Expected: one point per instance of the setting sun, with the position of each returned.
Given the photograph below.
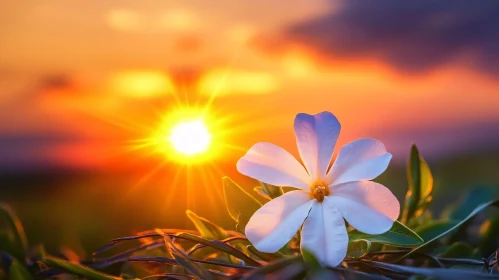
(188, 135)
(191, 137)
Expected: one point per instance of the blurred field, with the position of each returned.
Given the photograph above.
(83, 210)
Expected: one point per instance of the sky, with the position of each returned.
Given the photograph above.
(90, 91)
(84, 84)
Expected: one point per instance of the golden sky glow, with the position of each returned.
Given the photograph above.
(235, 81)
(114, 72)
(140, 84)
(120, 88)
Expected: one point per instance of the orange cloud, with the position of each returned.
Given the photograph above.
(235, 81)
(140, 84)
(127, 20)
(173, 20)
(179, 20)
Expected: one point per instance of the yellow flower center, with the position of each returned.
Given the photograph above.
(319, 190)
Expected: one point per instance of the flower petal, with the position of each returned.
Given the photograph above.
(325, 234)
(271, 164)
(363, 159)
(368, 206)
(316, 137)
(276, 222)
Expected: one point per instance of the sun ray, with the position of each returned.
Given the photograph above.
(150, 174)
(232, 61)
(125, 123)
(196, 173)
(206, 182)
(171, 194)
(188, 171)
(219, 179)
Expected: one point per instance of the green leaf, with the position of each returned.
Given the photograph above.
(183, 260)
(16, 241)
(417, 221)
(458, 250)
(420, 186)
(437, 273)
(271, 190)
(398, 235)
(358, 248)
(18, 272)
(470, 201)
(310, 259)
(206, 228)
(240, 204)
(355, 274)
(477, 268)
(263, 272)
(489, 241)
(418, 277)
(324, 274)
(268, 191)
(434, 228)
(265, 256)
(38, 252)
(261, 191)
(470, 216)
(77, 269)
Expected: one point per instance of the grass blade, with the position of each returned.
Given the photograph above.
(398, 235)
(77, 269)
(206, 228)
(470, 216)
(221, 247)
(184, 261)
(19, 244)
(18, 272)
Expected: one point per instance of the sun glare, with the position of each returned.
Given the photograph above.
(190, 137)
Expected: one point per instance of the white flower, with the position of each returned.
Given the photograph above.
(324, 198)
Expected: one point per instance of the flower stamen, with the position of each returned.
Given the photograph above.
(319, 191)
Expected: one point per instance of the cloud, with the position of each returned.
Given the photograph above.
(141, 84)
(29, 150)
(179, 20)
(176, 20)
(444, 141)
(410, 35)
(126, 20)
(236, 81)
